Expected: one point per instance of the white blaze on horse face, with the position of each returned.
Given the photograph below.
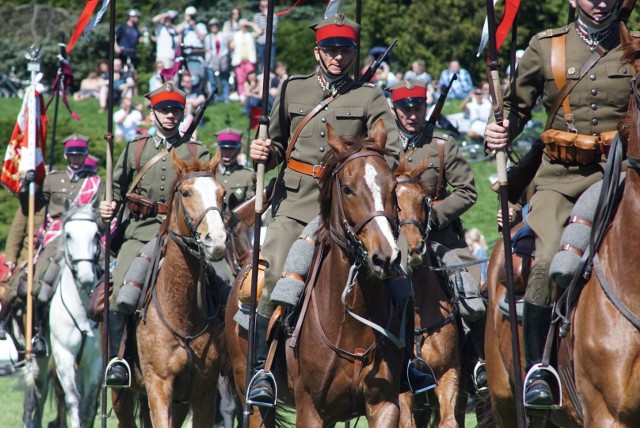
(370, 175)
(214, 237)
(81, 248)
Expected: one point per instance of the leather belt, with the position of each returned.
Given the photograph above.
(162, 208)
(315, 171)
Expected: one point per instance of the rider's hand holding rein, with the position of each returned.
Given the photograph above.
(496, 137)
(107, 209)
(260, 150)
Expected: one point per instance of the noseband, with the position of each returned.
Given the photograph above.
(72, 262)
(349, 240)
(192, 242)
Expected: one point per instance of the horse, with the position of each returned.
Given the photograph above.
(178, 337)
(437, 338)
(340, 367)
(75, 340)
(605, 365)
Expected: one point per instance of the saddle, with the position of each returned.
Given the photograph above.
(523, 247)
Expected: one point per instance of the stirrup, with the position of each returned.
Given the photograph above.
(556, 388)
(272, 379)
(423, 367)
(483, 388)
(40, 342)
(114, 361)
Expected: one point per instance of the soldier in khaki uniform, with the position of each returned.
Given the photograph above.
(295, 200)
(167, 110)
(447, 168)
(237, 179)
(597, 103)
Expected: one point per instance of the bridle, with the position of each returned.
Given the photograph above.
(192, 242)
(424, 230)
(634, 161)
(72, 262)
(348, 237)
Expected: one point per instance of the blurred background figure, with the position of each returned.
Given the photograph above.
(478, 246)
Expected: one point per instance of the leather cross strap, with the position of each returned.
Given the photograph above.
(296, 132)
(146, 167)
(599, 52)
(441, 190)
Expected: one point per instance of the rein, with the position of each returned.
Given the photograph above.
(190, 244)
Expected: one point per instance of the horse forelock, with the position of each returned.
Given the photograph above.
(405, 170)
(80, 212)
(189, 167)
(332, 161)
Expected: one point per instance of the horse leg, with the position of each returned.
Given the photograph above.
(407, 419)
(447, 393)
(123, 402)
(65, 367)
(159, 393)
(306, 413)
(204, 408)
(383, 414)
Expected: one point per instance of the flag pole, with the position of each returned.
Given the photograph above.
(59, 86)
(108, 197)
(32, 131)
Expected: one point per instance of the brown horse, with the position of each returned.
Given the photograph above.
(341, 367)
(439, 340)
(179, 357)
(604, 340)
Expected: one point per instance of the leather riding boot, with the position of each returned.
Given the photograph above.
(476, 335)
(540, 386)
(117, 375)
(262, 387)
(417, 376)
(38, 342)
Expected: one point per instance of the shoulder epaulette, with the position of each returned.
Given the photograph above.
(635, 34)
(441, 135)
(553, 32)
(192, 141)
(140, 137)
(301, 76)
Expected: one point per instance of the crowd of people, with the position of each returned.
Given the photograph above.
(399, 100)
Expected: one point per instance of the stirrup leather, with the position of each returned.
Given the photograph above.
(116, 360)
(272, 379)
(557, 387)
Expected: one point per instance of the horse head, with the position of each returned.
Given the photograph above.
(357, 199)
(81, 244)
(413, 207)
(196, 204)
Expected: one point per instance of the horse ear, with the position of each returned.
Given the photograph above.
(178, 164)
(334, 141)
(215, 161)
(379, 133)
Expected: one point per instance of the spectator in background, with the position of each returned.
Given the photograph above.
(461, 87)
(252, 92)
(127, 38)
(276, 80)
(123, 83)
(418, 72)
(243, 58)
(155, 81)
(127, 121)
(89, 87)
(232, 25)
(192, 33)
(478, 246)
(477, 108)
(216, 45)
(194, 99)
(260, 21)
(166, 38)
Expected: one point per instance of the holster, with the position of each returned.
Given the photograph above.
(244, 291)
(141, 207)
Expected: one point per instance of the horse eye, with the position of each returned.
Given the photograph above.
(184, 193)
(347, 190)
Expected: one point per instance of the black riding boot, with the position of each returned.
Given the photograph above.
(5, 315)
(117, 375)
(476, 335)
(541, 384)
(261, 392)
(417, 375)
(39, 343)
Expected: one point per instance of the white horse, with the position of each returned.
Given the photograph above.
(75, 341)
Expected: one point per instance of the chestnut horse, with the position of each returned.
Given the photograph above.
(438, 336)
(179, 357)
(604, 340)
(348, 359)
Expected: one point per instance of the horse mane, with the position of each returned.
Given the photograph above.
(331, 161)
(404, 169)
(189, 167)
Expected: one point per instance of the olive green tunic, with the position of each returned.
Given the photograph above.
(238, 180)
(598, 102)
(295, 202)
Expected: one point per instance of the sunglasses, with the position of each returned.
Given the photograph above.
(334, 51)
